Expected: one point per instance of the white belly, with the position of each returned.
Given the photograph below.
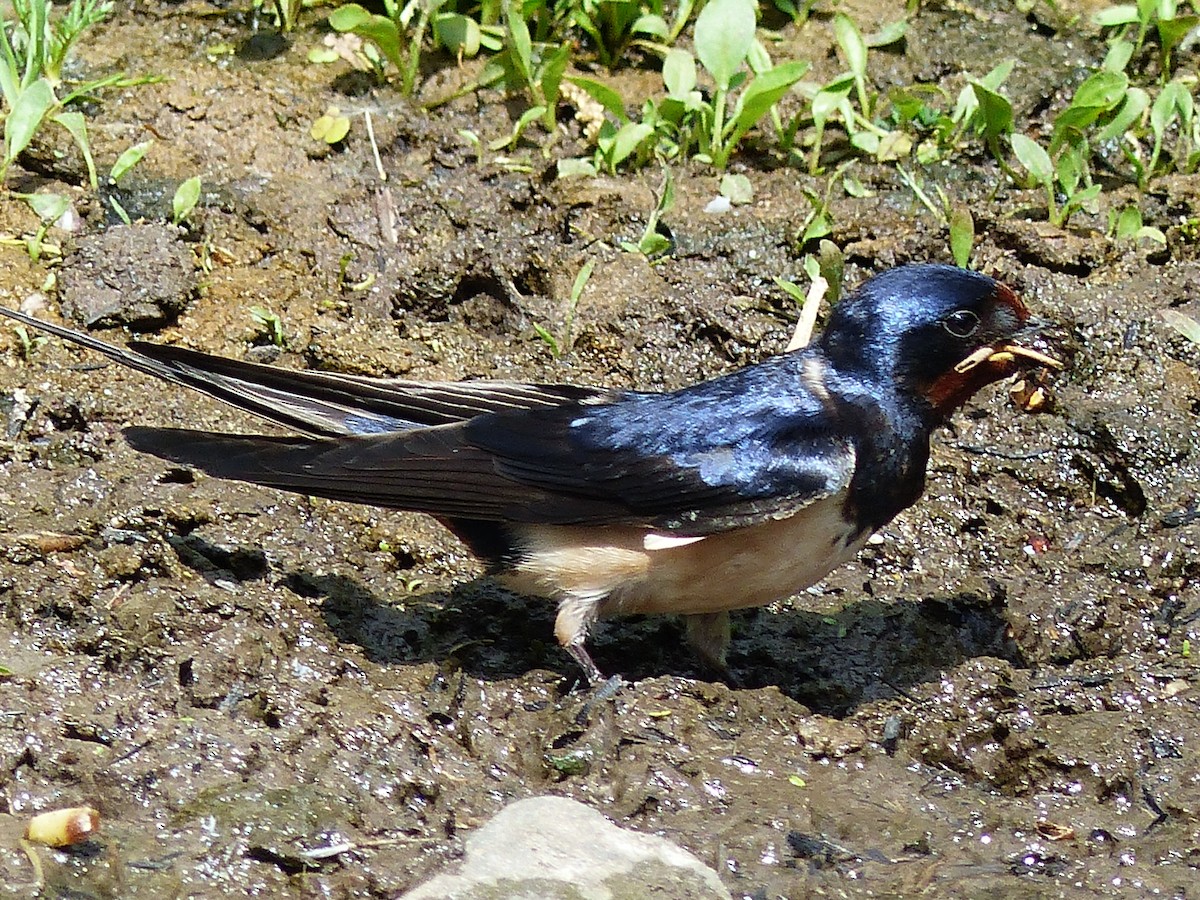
(613, 568)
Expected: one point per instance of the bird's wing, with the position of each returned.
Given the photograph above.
(689, 463)
(321, 403)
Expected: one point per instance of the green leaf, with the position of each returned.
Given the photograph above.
(604, 95)
(575, 167)
(127, 160)
(764, 92)
(1136, 101)
(723, 34)
(520, 41)
(48, 207)
(998, 75)
(581, 280)
(831, 97)
(1129, 223)
(653, 25)
(962, 236)
(332, 127)
(1118, 56)
(378, 29)
(1172, 31)
(348, 17)
(457, 33)
(850, 40)
(185, 199)
(26, 117)
(887, 34)
(1033, 157)
(1102, 90)
(679, 73)
(627, 139)
(548, 339)
(1183, 323)
(1169, 102)
(994, 115)
(1125, 14)
(76, 126)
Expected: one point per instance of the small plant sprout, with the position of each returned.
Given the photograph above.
(269, 324)
(737, 189)
(187, 195)
(407, 23)
(287, 13)
(724, 38)
(653, 243)
(33, 50)
(1139, 17)
(331, 127)
(1126, 225)
(536, 67)
(1043, 173)
(862, 127)
(27, 345)
(50, 208)
(129, 158)
(557, 347)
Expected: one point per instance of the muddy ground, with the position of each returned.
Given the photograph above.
(996, 700)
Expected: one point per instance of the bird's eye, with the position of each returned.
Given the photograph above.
(962, 323)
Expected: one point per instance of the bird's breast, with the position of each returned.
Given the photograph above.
(627, 570)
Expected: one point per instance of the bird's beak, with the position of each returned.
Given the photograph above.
(1004, 355)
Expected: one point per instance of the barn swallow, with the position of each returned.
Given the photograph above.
(727, 494)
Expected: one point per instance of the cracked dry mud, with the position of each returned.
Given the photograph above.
(993, 701)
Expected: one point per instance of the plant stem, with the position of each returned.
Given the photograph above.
(715, 142)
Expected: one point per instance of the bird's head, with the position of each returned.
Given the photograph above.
(938, 333)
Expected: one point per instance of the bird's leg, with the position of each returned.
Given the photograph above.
(590, 670)
(576, 613)
(708, 636)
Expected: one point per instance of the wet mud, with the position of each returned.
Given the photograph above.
(998, 698)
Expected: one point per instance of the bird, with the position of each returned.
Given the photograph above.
(726, 494)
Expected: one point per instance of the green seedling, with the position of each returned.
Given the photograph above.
(557, 348)
(1175, 105)
(26, 347)
(612, 24)
(45, 42)
(863, 126)
(737, 189)
(464, 36)
(653, 244)
(1067, 175)
(398, 35)
(269, 324)
(49, 208)
(1126, 225)
(187, 195)
(129, 158)
(331, 127)
(535, 67)
(724, 37)
(615, 143)
(526, 119)
(819, 221)
(1163, 15)
(287, 13)
(33, 49)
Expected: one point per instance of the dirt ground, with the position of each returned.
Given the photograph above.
(997, 700)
